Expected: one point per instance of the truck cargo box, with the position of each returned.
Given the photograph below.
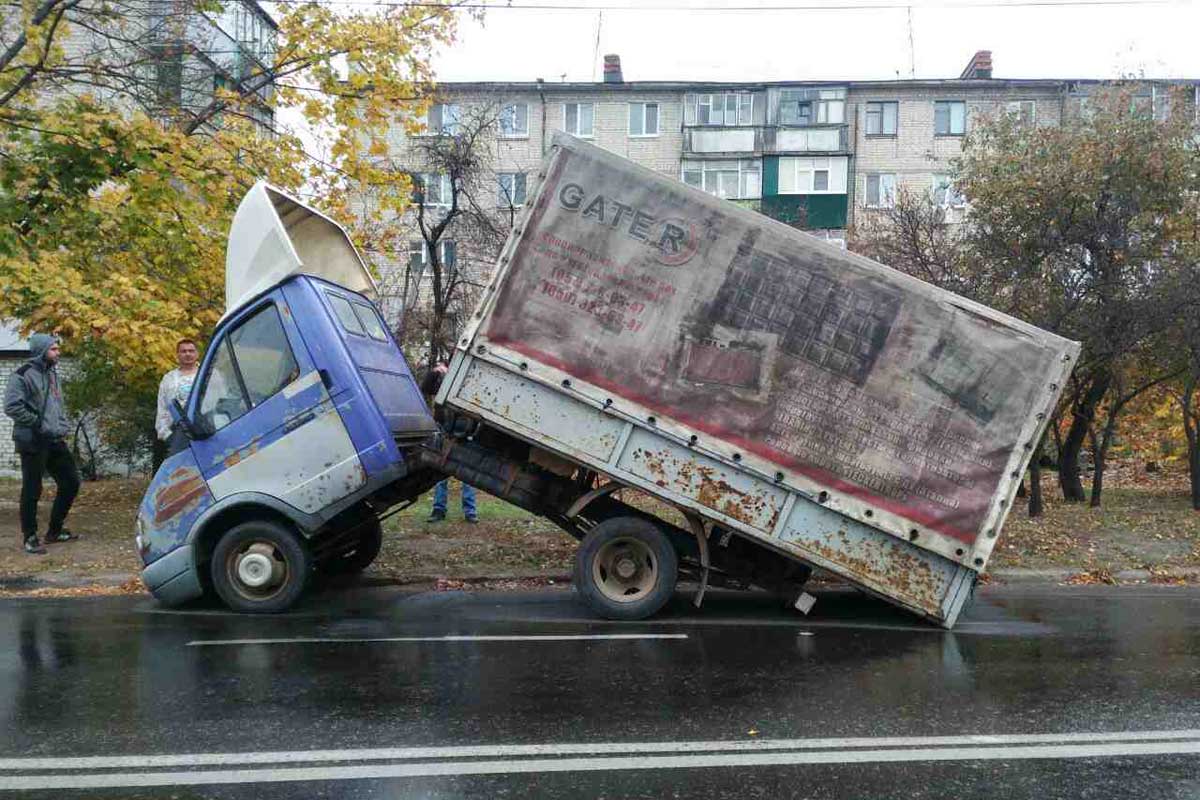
(811, 399)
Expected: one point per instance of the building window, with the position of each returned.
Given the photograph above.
(949, 118)
(579, 119)
(945, 193)
(418, 255)
(882, 118)
(643, 119)
(514, 120)
(812, 175)
(732, 179)
(881, 190)
(812, 107)
(433, 189)
(442, 118)
(1022, 110)
(512, 189)
(731, 108)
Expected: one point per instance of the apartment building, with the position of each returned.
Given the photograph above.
(814, 155)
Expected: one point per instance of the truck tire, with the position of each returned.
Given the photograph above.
(370, 542)
(260, 567)
(626, 568)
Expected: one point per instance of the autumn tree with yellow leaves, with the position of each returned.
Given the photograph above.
(116, 198)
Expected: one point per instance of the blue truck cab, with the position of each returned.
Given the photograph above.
(300, 430)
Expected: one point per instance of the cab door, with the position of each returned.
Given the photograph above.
(270, 423)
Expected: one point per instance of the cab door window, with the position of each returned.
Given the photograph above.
(253, 363)
(263, 356)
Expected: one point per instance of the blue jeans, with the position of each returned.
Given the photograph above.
(441, 494)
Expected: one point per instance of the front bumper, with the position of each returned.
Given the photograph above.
(174, 578)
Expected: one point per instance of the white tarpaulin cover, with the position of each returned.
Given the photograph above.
(274, 236)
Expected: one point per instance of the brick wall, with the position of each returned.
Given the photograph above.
(10, 464)
(914, 155)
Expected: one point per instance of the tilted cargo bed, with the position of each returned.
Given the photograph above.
(807, 398)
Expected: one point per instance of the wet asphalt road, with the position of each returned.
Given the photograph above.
(736, 701)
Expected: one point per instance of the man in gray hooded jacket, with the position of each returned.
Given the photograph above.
(34, 401)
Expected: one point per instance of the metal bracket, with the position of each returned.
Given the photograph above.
(697, 526)
(582, 503)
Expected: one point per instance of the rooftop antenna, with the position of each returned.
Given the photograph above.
(596, 51)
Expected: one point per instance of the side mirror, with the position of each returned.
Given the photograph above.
(181, 418)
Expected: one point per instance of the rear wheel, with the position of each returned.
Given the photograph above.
(260, 567)
(626, 568)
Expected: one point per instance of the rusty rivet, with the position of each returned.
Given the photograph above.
(693, 439)
(1003, 503)
(524, 366)
(737, 456)
(1041, 416)
(979, 562)
(869, 513)
(913, 534)
(652, 420)
(481, 349)
(607, 402)
(1029, 445)
(958, 552)
(566, 384)
(1014, 474)
(822, 497)
(1054, 387)
(1066, 356)
(778, 477)
(991, 533)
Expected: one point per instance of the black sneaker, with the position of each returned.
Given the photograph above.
(436, 516)
(62, 536)
(34, 547)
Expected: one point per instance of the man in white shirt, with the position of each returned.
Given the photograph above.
(175, 385)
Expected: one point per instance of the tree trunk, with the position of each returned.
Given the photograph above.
(1022, 491)
(1036, 506)
(1194, 470)
(1081, 420)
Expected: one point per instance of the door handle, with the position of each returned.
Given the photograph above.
(296, 422)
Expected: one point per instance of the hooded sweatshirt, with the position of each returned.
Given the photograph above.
(35, 386)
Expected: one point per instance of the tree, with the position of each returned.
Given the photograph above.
(462, 215)
(115, 200)
(1081, 224)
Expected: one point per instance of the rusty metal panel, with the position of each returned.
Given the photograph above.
(683, 473)
(912, 409)
(544, 417)
(923, 581)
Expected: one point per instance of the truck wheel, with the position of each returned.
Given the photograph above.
(626, 568)
(260, 567)
(370, 542)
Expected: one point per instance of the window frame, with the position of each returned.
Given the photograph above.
(445, 188)
(359, 308)
(333, 297)
(879, 176)
(643, 105)
(950, 117)
(591, 134)
(444, 129)
(949, 191)
(507, 202)
(500, 133)
(226, 345)
(882, 133)
(743, 172)
(1018, 111)
(743, 102)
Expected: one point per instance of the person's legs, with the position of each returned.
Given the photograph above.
(61, 466)
(441, 494)
(33, 464)
(468, 503)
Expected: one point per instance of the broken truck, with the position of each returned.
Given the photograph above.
(687, 387)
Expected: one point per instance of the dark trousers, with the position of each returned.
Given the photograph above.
(55, 458)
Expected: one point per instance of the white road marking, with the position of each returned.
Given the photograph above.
(106, 780)
(541, 638)
(582, 748)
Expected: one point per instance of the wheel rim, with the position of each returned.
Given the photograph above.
(625, 570)
(258, 570)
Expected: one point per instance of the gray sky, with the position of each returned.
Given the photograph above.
(1158, 39)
